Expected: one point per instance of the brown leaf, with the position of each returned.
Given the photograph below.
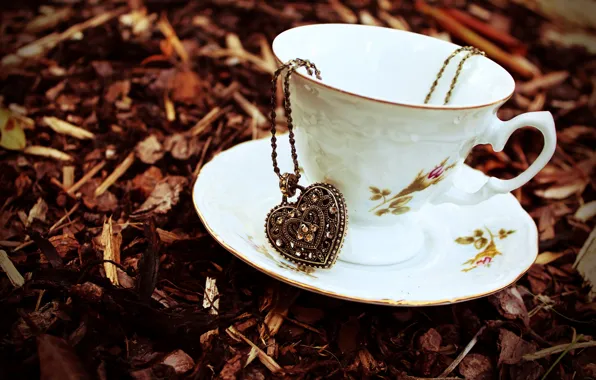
(58, 361)
(164, 196)
(180, 360)
(182, 147)
(146, 181)
(105, 202)
(464, 240)
(38, 211)
(117, 90)
(22, 184)
(526, 371)
(186, 86)
(430, 340)
(88, 291)
(149, 150)
(232, 367)
(307, 315)
(64, 244)
(513, 348)
(476, 367)
(42, 320)
(510, 304)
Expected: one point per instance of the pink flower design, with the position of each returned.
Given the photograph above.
(436, 172)
(484, 261)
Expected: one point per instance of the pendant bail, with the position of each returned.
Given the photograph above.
(288, 184)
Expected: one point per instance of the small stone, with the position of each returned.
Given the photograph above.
(310, 255)
(291, 214)
(279, 220)
(297, 253)
(328, 235)
(309, 238)
(314, 198)
(276, 231)
(303, 207)
(314, 228)
(300, 236)
(332, 209)
(291, 244)
(304, 228)
(279, 243)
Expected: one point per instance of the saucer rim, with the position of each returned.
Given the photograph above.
(314, 289)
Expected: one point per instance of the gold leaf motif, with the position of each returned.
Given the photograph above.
(400, 201)
(464, 240)
(386, 192)
(376, 197)
(400, 210)
(381, 211)
(480, 243)
(478, 233)
(374, 190)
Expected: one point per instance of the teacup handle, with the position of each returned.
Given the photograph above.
(497, 135)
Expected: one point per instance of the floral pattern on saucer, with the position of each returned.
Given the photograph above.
(486, 256)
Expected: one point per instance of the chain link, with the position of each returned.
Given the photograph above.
(471, 51)
(291, 66)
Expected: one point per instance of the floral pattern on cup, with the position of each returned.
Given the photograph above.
(263, 249)
(397, 204)
(484, 243)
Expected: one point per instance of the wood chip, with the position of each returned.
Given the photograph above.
(111, 250)
(541, 83)
(263, 357)
(586, 211)
(43, 151)
(68, 174)
(367, 19)
(63, 127)
(586, 262)
(90, 174)
(210, 298)
(250, 109)
(38, 211)
(395, 22)
(11, 271)
(48, 20)
(548, 257)
(344, 12)
(166, 28)
(117, 173)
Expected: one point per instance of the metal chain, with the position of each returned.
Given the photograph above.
(291, 66)
(472, 51)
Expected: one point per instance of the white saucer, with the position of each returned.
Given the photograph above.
(235, 191)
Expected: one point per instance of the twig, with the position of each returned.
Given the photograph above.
(392, 21)
(343, 12)
(556, 349)
(250, 109)
(263, 357)
(117, 173)
(86, 178)
(69, 213)
(210, 117)
(63, 127)
(463, 354)
(166, 28)
(43, 151)
(567, 348)
(518, 64)
(68, 176)
(485, 29)
(203, 155)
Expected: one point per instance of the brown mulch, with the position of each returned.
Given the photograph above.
(163, 86)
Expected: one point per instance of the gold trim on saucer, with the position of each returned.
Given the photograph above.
(382, 301)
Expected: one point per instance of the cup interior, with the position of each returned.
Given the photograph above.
(393, 66)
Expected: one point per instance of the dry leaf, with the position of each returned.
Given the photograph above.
(8, 267)
(563, 191)
(38, 211)
(348, 333)
(58, 360)
(186, 86)
(510, 304)
(164, 196)
(43, 151)
(12, 135)
(586, 211)
(111, 250)
(586, 262)
(180, 361)
(476, 367)
(211, 296)
(105, 202)
(146, 181)
(513, 348)
(149, 150)
(548, 257)
(48, 20)
(430, 340)
(64, 244)
(232, 367)
(182, 147)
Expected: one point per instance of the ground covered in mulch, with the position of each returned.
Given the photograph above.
(134, 97)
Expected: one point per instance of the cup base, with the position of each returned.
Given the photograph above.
(382, 245)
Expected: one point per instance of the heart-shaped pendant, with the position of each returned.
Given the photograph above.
(310, 231)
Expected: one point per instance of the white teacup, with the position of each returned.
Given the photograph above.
(365, 128)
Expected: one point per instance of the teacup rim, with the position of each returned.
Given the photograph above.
(383, 101)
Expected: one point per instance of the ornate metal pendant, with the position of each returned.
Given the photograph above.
(310, 231)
